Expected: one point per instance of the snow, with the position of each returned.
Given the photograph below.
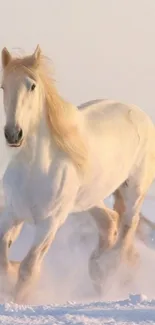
(137, 309)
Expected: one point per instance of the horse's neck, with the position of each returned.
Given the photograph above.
(44, 144)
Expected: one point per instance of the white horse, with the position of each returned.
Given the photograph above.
(67, 160)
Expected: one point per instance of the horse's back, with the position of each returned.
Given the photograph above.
(90, 103)
(102, 115)
(118, 132)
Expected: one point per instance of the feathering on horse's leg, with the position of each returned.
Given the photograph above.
(107, 221)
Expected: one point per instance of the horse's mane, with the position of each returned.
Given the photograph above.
(62, 117)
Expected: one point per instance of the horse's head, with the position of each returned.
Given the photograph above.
(29, 91)
(22, 95)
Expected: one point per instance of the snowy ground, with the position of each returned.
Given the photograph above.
(134, 310)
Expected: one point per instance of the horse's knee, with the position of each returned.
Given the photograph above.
(108, 237)
(107, 222)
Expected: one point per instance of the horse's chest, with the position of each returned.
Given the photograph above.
(37, 195)
(30, 195)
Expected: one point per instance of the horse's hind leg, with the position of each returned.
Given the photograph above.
(120, 207)
(133, 193)
(107, 222)
(145, 228)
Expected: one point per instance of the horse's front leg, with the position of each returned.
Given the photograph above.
(9, 231)
(7, 222)
(8, 270)
(30, 267)
(65, 184)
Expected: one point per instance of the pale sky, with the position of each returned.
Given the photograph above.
(99, 48)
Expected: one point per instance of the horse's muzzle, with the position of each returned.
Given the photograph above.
(13, 136)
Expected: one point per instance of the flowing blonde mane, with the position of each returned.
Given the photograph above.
(62, 117)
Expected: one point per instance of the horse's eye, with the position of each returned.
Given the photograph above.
(33, 86)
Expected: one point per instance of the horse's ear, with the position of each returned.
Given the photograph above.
(37, 53)
(5, 57)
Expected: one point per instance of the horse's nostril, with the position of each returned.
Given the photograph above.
(20, 134)
(6, 134)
